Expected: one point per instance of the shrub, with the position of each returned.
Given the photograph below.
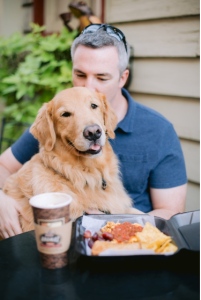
(33, 68)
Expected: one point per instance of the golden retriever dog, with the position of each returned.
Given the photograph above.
(75, 157)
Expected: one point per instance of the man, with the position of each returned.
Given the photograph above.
(149, 151)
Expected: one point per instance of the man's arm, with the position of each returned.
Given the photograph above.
(168, 202)
(9, 163)
(9, 208)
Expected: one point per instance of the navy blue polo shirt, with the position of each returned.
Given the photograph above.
(147, 147)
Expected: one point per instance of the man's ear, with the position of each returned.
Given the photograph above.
(110, 117)
(43, 127)
(124, 78)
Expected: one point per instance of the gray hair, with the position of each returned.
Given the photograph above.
(102, 39)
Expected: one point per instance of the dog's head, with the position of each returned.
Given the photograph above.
(79, 119)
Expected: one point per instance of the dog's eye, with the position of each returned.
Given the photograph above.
(94, 106)
(66, 114)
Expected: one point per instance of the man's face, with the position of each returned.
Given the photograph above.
(98, 70)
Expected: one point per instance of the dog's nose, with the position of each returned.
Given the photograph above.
(92, 132)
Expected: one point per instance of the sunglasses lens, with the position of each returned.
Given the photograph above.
(91, 28)
(113, 33)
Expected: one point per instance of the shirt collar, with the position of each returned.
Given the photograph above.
(127, 123)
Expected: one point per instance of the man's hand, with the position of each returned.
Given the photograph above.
(9, 208)
(9, 212)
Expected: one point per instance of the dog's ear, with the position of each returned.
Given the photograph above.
(43, 127)
(110, 117)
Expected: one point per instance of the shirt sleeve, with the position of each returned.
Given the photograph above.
(170, 170)
(25, 147)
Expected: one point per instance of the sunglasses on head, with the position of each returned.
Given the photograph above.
(111, 30)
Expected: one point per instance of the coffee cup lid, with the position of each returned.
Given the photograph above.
(50, 200)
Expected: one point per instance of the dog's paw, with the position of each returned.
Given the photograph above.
(134, 211)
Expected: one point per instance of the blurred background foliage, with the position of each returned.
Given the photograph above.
(33, 68)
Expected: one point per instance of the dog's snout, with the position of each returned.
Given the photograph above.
(92, 132)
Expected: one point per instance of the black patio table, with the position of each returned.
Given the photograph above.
(22, 277)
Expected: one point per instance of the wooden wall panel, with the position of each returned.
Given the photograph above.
(96, 6)
(1, 18)
(163, 38)
(53, 8)
(52, 11)
(176, 77)
(11, 17)
(198, 46)
(183, 113)
(191, 152)
(193, 197)
(135, 10)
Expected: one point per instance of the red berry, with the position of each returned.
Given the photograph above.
(87, 234)
(108, 236)
(95, 236)
(90, 243)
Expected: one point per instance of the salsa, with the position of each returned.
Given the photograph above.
(123, 232)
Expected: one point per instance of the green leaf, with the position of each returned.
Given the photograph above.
(46, 57)
(36, 28)
(10, 108)
(49, 45)
(14, 79)
(22, 89)
(30, 91)
(9, 89)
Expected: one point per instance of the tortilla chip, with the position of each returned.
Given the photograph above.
(169, 248)
(163, 246)
(152, 238)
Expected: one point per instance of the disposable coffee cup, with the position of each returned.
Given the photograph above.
(53, 228)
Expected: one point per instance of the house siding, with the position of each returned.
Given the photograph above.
(11, 17)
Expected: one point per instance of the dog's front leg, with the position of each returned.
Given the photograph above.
(134, 211)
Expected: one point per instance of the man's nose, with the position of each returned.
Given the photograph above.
(89, 83)
(92, 132)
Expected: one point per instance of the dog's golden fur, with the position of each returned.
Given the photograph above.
(60, 167)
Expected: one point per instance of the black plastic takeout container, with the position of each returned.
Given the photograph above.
(183, 228)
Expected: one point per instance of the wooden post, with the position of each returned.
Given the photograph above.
(38, 12)
(102, 11)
